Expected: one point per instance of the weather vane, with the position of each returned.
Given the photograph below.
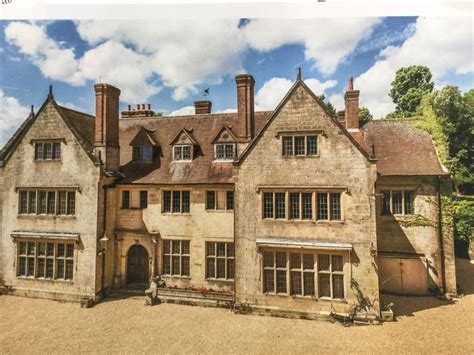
(205, 93)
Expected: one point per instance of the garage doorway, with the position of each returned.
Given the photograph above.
(403, 276)
(137, 265)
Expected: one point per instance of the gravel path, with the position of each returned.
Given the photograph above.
(424, 325)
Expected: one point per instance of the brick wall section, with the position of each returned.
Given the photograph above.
(339, 164)
(352, 109)
(245, 104)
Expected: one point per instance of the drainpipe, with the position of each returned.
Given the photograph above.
(235, 257)
(440, 236)
(103, 250)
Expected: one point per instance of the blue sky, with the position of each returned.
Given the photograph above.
(169, 64)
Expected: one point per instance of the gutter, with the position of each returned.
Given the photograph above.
(440, 236)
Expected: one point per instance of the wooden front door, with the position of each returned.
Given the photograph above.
(137, 265)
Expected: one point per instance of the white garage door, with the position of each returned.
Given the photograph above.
(404, 276)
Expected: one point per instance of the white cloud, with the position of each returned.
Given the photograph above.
(443, 44)
(337, 100)
(12, 115)
(54, 61)
(273, 91)
(327, 41)
(183, 111)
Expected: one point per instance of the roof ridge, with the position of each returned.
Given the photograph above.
(76, 111)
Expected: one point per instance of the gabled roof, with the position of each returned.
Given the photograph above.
(144, 138)
(187, 133)
(299, 82)
(401, 149)
(226, 129)
(81, 125)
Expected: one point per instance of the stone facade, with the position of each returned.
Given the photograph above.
(102, 157)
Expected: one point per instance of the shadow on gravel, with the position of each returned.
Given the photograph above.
(409, 305)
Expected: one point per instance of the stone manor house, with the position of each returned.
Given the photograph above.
(289, 211)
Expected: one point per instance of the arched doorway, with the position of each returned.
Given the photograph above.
(137, 264)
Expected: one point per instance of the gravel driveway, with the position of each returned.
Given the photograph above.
(424, 325)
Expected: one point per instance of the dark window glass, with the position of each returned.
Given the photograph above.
(48, 150)
(308, 280)
(295, 260)
(294, 205)
(229, 151)
(323, 206)
(323, 262)
(41, 267)
(56, 150)
(49, 268)
(267, 205)
(299, 145)
(147, 153)
(296, 286)
(335, 206)
(51, 202)
(125, 199)
(143, 199)
(42, 202)
(166, 201)
(230, 200)
(71, 203)
(269, 281)
(280, 210)
(210, 200)
(396, 202)
(69, 269)
(210, 268)
(38, 151)
(62, 202)
(32, 202)
(177, 153)
(408, 202)
(280, 258)
(230, 268)
(187, 152)
(281, 281)
(287, 146)
(308, 261)
(219, 151)
(185, 201)
(307, 205)
(337, 263)
(311, 145)
(324, 285)
(385, 203)
(23, 202)
(337, 286)
(185, 265)
(176, 201)
(268, 258)
(221, 268)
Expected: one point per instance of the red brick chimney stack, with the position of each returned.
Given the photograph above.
(202, 107)
(351, 99)
(245, 103)
(106, 145)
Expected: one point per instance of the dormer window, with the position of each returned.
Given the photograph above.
(182, 152)
(225, 151)
(143, 153)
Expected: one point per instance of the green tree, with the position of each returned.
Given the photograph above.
(456, 115)
(364, 115)
(410, 85)
(327, 105)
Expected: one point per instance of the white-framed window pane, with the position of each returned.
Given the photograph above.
(48, 150)
(287, 143)
(176, 201)
(229, 151)
(335, 206)
(323, 206)
(220, 151)
(280, 208)
(311, 145)
(57, 151)
(39, 151)
(396, 202)
(324, 285)
(294, 205)
(187, 152)
(299, 145)
(267, 205)
(307, 202)
(177, 153)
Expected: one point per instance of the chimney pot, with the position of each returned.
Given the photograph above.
(350, 86)
(149, 107)
(138, 107)
(129, 107)
(202, 107)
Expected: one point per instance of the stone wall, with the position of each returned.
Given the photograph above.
(338, 164)
(75, 168)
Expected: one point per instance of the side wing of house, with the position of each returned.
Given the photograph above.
(305, 222)
(49, 206)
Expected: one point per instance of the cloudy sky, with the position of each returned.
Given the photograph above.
(169, 63)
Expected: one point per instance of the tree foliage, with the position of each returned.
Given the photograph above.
(364, 115)
(410, 85)
(327, 105)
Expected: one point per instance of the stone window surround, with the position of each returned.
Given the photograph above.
(180, 255)
(217, 206)
(313, 190)
(57, 190)
(170, 212)
(215, 257)
(133, 204)
(304, 133)
(54, 142)
(317, 272)
(390, 190)
(36, 256)
(225, 159)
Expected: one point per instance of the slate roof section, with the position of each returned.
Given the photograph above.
(401, 149)
(201, 170)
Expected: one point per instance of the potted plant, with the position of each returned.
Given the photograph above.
(386, 313)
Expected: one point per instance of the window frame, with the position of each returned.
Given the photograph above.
(387, 206)
(51, 207)
(181, 256)
(229, 258)
(69, 261)
(55, 149)
(180, 148)
(127, 205)
(143, 199)
(224, 146)
(184, 206)
(286, 138)
(138, 153)
(289, 269)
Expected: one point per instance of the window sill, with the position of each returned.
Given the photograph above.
(187, 214)
(45, 216)
(48, 160)
(223, 160)
(219, 280)
(182, 161)
(302, 221)
(176, 277)
(219, 211)
(314, 298)
(44, 279)
(133, 208)
(299, 156)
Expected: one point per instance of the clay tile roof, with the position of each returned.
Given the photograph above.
(83, 124)
(402, 149)
(163, 129)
